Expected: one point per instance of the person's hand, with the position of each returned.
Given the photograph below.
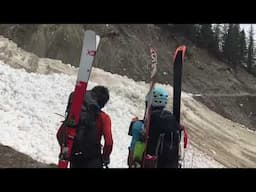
(135, 119)
(182, 127)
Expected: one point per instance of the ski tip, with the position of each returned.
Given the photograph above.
(181, 48)
(97, 41)
(152, 50)
(90, 31)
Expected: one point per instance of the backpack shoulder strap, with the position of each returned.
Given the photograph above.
(69, 104)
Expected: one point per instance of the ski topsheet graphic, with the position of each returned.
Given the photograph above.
(90, 43)
(148, 161)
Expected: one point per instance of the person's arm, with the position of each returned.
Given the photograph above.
(107, 134)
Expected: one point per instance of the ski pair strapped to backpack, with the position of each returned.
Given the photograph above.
(178, 59)
(69, 125)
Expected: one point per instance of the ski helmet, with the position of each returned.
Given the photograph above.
(160, 97)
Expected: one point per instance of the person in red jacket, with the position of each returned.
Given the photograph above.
(94, 124)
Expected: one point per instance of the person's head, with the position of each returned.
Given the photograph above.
(101, 94)
(159, 97)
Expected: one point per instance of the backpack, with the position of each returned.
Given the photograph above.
(85, 141)
(164, 138)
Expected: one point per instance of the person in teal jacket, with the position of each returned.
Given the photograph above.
(137, 133)
(137, 145)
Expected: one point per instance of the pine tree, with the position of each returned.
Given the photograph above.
(227, 42)
(235, 46)
(250, 57)
(206, 39)
(243, 47)
(189, 30)
(231, 46)
(216, 38)
(193, 32)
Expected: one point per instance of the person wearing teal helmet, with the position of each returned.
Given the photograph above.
(137, 146)
(164, 134)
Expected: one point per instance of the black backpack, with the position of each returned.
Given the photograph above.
(85, 142)
(165, 138)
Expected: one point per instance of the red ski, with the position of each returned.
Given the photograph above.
(69, 125)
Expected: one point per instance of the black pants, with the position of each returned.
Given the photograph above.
(78, 161)
(173, 163)
(168, 161)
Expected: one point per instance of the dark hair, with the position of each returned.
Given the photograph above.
(101, 94)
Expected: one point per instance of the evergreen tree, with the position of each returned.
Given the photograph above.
(231, 45)
(206, 39)
(216, 38)
(227, 43)
(235, 46)
(223, 38)
(250, 57)
(243, 47)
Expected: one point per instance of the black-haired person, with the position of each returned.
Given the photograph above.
(94, 123)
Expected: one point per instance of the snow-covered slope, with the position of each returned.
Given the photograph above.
(29, 101)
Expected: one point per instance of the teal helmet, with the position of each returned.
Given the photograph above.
(160, 97)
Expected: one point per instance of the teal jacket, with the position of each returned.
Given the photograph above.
(137, 133)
